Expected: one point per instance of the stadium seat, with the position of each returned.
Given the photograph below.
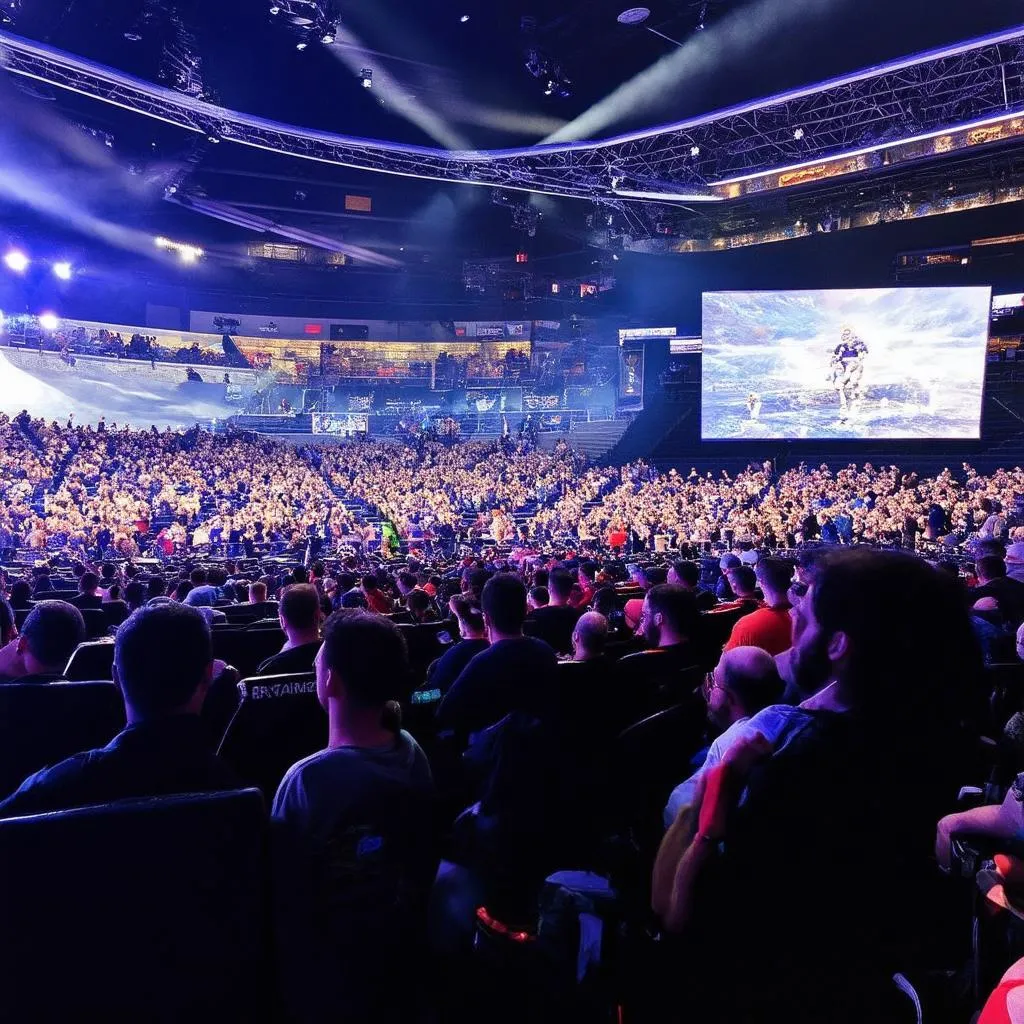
(279, 721)
(95, 622)
(115, 612)
(174, 927)
(91, 660)
(650, 681)
(246, 648)
(41, 724)
(424, 647)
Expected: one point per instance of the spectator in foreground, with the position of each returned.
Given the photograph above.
(768, 627)
(669, 621)
(473, 633)
(514, 673)
(8, 623)
(357, 858)
(905, 662)
(995, 583)
(299, 613)
(48, 638)
(163, 664)
(744, 681)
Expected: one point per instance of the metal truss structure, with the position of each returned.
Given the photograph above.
(967, 87)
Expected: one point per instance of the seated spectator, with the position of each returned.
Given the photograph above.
(473, 633)
(687, 575)
(163, 664)
(376, 600)
(744, 681)
(743, 584)
(8, 623)
(554, 622)
(1002, 823)
(586, 575)
(895, 637)
(994, 582)
(589, 637)
(134, 595)
(21, 595)
(299, 614)
(514, 673)
(606, 603)
(357, 856)
(669, 622)
(48, 638)
(1015, 561)
(723, 588)
(87, 596)
(108, 578)
(203, 599)
(420, 607)
(769, 627)
(156, 586)
(645, 578)
(257, 594)
(538, 597)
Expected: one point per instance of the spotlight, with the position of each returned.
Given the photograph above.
(798, 134)
(62, 270)
(300, 46)
(464, 19)
(275, 9)
(328, 36)
(549, 88)
(16, 261)
(695, 151)
(366, 77)
(48, 321)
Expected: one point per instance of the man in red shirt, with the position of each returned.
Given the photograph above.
(769, 627)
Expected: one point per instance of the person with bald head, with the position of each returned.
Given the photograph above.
(589, 637)
(744, 681)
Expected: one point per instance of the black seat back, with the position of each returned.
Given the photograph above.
(43, 723)
(91, 660)
(141, 910)
(95, 622)
(651, 681)
(279, 721)
(424, 647)
(247, 648)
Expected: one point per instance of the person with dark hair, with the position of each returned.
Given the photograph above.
(8, 623)
(376, 600)
(742, 581)
(1007, 592)
(645, 577)
(769, 627)
(21, 595)
(163, 664)
(687, 575)
(554, 622)
(473, 639)
(670, 620)
(895, 638)
(744, 681)
(723, 588)
(514, 673)
(48, 638)
(586, 575)
(134, 595)
(356, 854)
(300, 615)
(420, 607)
(87, 596)
(156, 586)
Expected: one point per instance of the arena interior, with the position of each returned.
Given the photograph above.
(512, 512)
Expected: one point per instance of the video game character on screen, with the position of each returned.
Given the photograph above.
(754, 405)
(846, 371)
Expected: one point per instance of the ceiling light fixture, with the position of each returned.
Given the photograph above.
(62, 270)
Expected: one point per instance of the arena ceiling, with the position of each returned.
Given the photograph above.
(472, 75)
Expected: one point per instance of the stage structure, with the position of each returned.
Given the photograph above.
(961, 97)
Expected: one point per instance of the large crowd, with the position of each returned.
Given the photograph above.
(65, 486)
(708, 735)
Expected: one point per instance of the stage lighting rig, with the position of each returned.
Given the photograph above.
(186, 253)
(366, 77)
(62, 270)
(312, 21)
(16, 260)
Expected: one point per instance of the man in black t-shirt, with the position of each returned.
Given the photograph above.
(554, 622)
(299, 614)
(515, 673)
